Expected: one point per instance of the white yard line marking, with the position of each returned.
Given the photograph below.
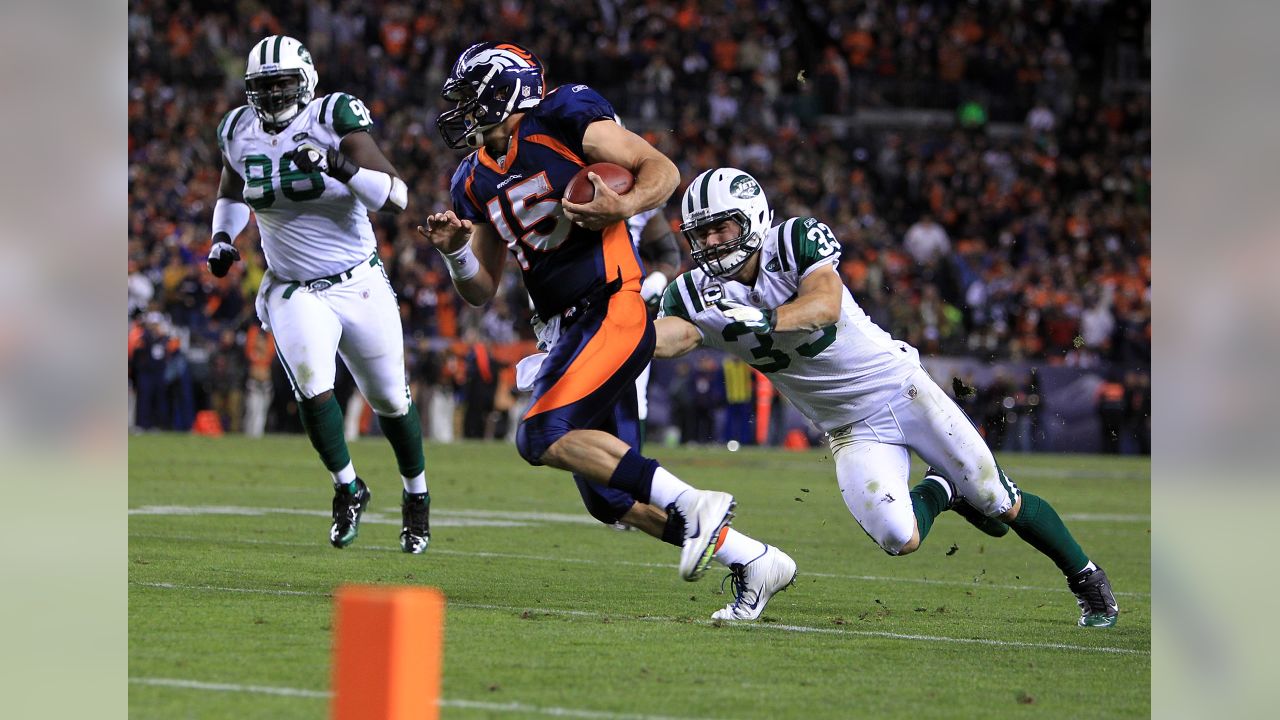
(493, 518)
(712, 623)
(511, 707)
(628, 563)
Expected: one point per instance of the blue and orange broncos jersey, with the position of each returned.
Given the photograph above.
(562, 262)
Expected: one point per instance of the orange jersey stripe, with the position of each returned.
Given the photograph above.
(554, 144)
(620, 256)
(607, 351)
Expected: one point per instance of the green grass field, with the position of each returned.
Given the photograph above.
(551, 614)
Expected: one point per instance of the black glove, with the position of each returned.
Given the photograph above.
(221, 255)
(330, 161)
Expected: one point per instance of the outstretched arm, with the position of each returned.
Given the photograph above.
(675, 337)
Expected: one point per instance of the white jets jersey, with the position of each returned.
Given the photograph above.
(312, 226)
(836, 375)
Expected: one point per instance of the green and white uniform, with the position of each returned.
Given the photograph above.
(325, 290)
(865, 389)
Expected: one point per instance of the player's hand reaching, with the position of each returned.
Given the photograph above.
(446, 231)
(606, 208)
(221, 256)
(758, 320)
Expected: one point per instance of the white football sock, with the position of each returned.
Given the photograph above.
(666, 488)
(415, 485)
(345, 476)
(738, 548)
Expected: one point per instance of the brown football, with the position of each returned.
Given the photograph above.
(580, 190)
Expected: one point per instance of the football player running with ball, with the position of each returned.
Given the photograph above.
(584, 277)
(770, 294)
(311, 172)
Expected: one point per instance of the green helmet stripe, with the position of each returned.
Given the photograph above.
(262, 51)
(706, 187)
(689, 205)
(275, 52)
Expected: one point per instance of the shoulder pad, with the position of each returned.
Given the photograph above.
(230, 125)
(344, 113)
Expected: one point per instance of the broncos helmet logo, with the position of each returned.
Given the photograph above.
(488, 83)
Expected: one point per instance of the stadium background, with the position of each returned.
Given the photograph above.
(1022, 128)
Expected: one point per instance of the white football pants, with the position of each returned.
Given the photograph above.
(357, 318)
(873, 465)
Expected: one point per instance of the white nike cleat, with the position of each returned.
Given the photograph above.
(705, 513)
(756, 582)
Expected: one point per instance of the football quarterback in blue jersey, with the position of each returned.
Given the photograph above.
(584, 277)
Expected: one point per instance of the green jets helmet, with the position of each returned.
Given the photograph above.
(725, 194)
(279, 80)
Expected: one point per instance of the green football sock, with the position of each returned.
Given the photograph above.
(1039, 524)
(405, 435)
(928, 500)
(323, 422)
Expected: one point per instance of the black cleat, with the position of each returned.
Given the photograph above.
(349, 503)
(415, 518)
(971, 514)
(1098, 606)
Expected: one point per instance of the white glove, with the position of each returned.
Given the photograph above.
(652, 287)
(758, 320)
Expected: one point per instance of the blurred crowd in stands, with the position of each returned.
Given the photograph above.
(1017, 227)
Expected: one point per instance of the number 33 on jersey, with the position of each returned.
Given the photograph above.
(831, 374)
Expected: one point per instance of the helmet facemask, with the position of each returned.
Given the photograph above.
(277, 97)
(724, 259)
(279, 80)
(714, 197)
(488, 83)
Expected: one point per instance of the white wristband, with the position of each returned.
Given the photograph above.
(230, 216)
(463, 264)
(372, 187)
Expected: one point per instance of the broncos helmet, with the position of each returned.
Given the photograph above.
(725, 194)
(489, 81)
(279, 80)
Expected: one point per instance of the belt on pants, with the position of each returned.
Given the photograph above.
(592, 299)
(324, 283)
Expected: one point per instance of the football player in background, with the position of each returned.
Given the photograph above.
(770, 294)
(311, 171)
(584, 277)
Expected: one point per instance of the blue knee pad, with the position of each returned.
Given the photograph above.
(605, 504)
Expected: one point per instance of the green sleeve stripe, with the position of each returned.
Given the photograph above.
(695, 297)
(324, 107)
(673, 304)
(235, 120)
(784, 232)
(801, 258)
(275, 51)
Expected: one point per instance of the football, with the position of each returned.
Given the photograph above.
(580, 190)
